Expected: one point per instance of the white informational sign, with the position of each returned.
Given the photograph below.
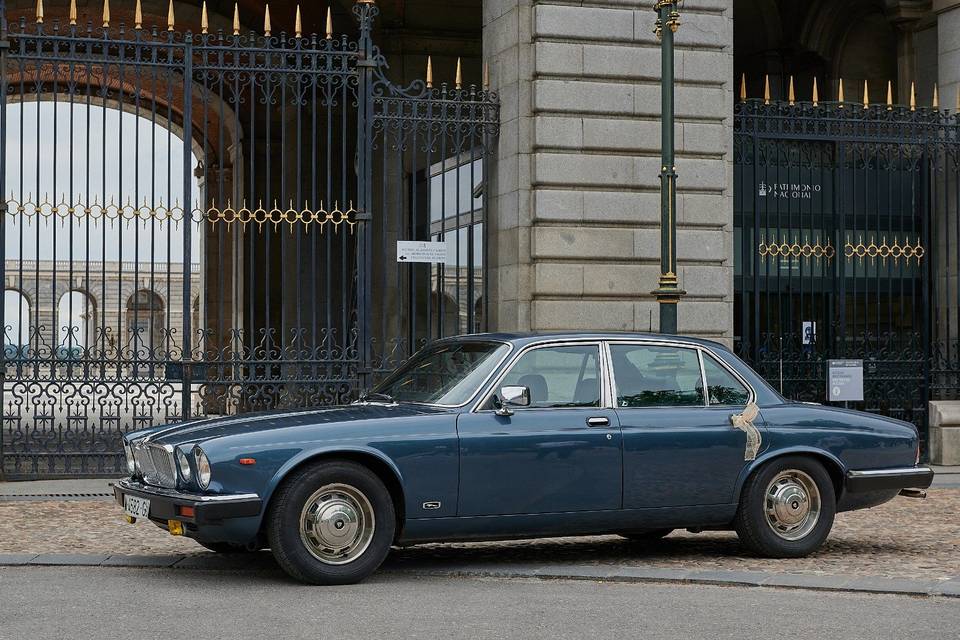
(844, 380)
(415, 251)
(809, 332)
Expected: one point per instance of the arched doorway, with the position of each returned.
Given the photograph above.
(16, 325)
(76, 322)
(145, 326)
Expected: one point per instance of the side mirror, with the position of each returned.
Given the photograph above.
(512, 396)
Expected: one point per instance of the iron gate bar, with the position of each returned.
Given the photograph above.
(207, 318)
(886, 168)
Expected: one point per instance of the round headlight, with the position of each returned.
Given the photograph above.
(131, 463)
(203, 468)
(184, 465)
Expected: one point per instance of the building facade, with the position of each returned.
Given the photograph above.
(524, 136)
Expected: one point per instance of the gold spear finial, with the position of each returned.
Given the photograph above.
(298, 24)
(766, 89)
(170, 16)
(936, 97)
(329, 24)
(236, 19)
(889, 95)
(486, 76)
(913, 97)
(429, 73)
(866, 95)
(840, 94)
(791, 98)
(39, 11)
(204, 23)
(266, 20)
(816, 93)
(459, 79)
(106, 13)
(958, 101)
(743, 87)
(73, 13)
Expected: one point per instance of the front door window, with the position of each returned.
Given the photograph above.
(559, 377)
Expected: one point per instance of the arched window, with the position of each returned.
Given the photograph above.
(145, 316)
(16, 324)
(76, 318)
(478, 315)
(449, 313)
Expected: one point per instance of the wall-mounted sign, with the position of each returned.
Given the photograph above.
(416, 251)
(809, 332)
(788, 190)
(844, 380)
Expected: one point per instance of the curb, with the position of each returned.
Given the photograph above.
(602, 573)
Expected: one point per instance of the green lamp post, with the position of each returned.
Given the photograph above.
(668, 293)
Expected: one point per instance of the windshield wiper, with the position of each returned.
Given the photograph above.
(373, 396)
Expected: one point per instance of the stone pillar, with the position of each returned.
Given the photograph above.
(945, 432)
(574, 200)
(948, 50)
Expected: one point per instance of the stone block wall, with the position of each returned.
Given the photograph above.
(574, 202)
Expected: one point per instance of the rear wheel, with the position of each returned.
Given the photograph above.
(650, 535)
(786, 508)
(331, 523)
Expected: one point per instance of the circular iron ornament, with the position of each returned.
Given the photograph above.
(337, 524)
(792, 504)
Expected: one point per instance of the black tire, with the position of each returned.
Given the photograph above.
(284, 523)
(650, 535)
(757, 532)
(225, 547)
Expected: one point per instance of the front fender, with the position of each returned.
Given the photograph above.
(307, 455)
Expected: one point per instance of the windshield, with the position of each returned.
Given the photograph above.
(445, 374)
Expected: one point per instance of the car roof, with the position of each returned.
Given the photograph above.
(525, 338)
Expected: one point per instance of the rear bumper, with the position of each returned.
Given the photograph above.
(887, 479)
(208, 509)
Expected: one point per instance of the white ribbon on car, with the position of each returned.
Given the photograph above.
(744, 422)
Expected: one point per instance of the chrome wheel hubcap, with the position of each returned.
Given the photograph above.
(792, 504)
(337, 524)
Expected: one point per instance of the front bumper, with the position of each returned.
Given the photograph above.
(888, 479)
(208, 509)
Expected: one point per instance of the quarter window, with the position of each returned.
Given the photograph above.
(722, 387)
(567, 376)
(653, 376)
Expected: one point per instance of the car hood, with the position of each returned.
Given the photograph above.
(216, 427)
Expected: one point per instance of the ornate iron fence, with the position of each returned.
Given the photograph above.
(205, 223)
(847, 236)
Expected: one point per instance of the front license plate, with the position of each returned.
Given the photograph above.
(136, 507)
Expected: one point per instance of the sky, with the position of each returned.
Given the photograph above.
(102, 156)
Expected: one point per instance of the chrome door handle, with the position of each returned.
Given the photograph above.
(598, 422)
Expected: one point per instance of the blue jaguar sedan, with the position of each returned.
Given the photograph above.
(502, 436)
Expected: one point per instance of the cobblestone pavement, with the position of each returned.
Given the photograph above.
(904, 538)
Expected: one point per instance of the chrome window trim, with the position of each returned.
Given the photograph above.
(505, 369)
(483, 383)
(681, 344)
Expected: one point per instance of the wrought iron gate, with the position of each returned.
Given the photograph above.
(205, 223)
(847, 238)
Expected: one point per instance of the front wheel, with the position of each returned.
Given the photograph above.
(786, 508)
(331, 523)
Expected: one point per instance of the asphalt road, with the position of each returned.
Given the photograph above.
(77, 603)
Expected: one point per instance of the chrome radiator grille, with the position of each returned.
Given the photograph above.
(156, 465)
